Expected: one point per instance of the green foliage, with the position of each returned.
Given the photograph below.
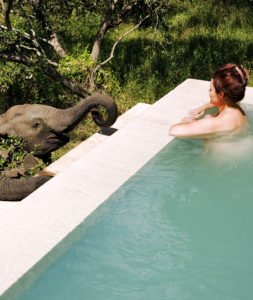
(77, 67)
(107, 83)
(13, 143)
(20, 84)
(12, 154)
(78, 31)
(194, 39)
(14, 85)
(207, 36)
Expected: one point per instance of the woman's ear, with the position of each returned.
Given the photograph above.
(221, 94)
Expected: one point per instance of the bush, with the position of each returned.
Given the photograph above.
(13, 156)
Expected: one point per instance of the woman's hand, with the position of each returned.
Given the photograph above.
(200, 111)
(197, 112)
(188, 119)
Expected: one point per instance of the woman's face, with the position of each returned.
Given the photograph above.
(215, 98)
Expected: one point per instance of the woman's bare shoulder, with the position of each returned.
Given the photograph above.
(233, 119)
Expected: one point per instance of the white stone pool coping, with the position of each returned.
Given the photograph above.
(86, 177)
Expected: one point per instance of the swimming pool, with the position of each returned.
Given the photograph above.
(180, 228)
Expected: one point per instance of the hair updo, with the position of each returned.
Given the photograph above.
(231, 79)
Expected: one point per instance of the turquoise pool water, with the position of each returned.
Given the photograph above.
(181, 228)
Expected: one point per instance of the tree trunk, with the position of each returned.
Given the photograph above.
(54, 42)
(6, 8)
(105, 24)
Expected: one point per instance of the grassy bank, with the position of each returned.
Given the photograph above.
(191, 40)
(195, 38)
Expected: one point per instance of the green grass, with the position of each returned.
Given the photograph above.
(200, 36)
(81, 132)
(195, 38)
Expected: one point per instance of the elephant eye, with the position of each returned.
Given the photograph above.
(36, 124)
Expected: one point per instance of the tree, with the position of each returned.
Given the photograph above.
(29, 33)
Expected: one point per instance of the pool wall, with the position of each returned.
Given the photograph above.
(86, 177)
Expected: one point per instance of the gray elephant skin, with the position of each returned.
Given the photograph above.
(43, 127)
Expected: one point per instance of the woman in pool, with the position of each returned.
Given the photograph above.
(227, 88)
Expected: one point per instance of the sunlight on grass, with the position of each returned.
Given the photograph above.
(199, 37)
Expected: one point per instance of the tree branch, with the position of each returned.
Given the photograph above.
(50, 71)
(6, 12)
(53, 39)
(53, 73)
(116, 43)
(17, 59)
(54, 42)
(32, 38)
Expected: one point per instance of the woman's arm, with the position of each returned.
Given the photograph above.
(199, 111)
(196, 113)
(196, 129)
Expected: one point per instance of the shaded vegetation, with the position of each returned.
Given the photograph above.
(15, 161)
(189, 39)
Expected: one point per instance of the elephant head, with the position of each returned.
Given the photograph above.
(43, 127)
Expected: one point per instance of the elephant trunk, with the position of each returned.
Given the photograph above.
(63, 120)
(13, 189)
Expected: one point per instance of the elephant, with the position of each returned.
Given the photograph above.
(42, 128)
